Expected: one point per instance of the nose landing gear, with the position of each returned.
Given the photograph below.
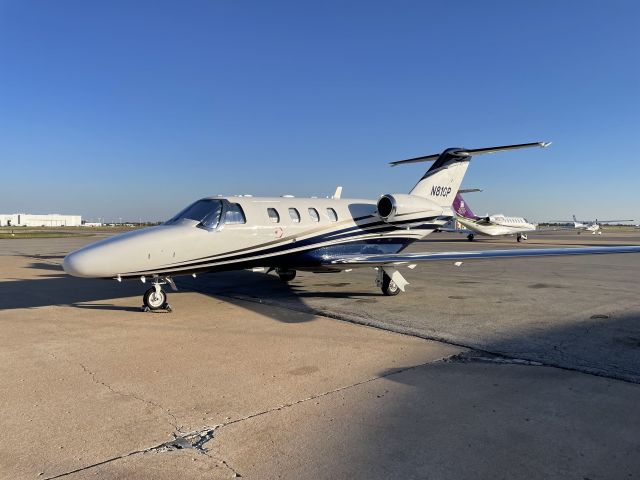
(155, 298)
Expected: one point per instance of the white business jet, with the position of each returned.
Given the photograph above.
(490, 225)
(286, 234)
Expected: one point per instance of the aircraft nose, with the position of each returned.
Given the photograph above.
(77, 264)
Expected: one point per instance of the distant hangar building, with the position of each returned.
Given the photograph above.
(48, 220)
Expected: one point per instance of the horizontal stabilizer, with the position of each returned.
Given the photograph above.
(464, 152)
(468, 190)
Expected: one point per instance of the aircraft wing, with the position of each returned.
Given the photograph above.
(455, 230)
(410, 258)
(589, 222)
(613, 221)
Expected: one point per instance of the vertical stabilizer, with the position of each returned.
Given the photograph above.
(462, 209)
(442, 181)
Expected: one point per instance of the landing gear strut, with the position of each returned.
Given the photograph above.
(520, 237)
(155, 298)
(470, 237)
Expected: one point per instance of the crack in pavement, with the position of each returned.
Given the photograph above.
(194, 440)
(197, 439)
(173, 422)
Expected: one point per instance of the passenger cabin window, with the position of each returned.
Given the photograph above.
(313, 213)
(206, 211)
(273, 215)
(333, 216)
(234, 215)
(295, 215)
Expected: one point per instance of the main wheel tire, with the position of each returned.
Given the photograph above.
(287, 275)
(519, 238)
(389, 287)
(470, 237)
(154, 300)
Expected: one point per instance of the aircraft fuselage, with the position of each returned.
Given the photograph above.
(300, 233)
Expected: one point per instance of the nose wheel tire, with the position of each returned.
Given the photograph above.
(389, 287)
(470, 237)
(155, 300)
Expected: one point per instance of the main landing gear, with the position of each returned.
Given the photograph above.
(285, 274)
(470, 237)
(389, 287)
(520, 237)
(156, 298)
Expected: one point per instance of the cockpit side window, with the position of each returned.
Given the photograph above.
(206, 211)
(234, 215)
(212, 220)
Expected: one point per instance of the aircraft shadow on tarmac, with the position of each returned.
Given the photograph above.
(605, 346)
(61, 289)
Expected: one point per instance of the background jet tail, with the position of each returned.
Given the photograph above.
(461, 208)
(575, 222)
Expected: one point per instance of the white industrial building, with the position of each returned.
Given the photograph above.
(48, 220)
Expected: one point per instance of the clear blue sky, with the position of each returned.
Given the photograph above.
(134, 109)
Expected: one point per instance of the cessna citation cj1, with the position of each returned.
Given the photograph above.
(286, 234)
(490, 225)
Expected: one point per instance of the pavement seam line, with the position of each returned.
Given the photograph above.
(203, 436)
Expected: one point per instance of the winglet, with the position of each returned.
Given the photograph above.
(338, 192)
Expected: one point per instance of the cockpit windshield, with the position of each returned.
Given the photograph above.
(206, 212)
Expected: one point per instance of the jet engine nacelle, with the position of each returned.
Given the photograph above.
(399, 207)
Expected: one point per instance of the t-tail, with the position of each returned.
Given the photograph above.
(576, 223)
(442, 181)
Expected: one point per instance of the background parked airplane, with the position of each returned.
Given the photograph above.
(489, 225)
(593, 226)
